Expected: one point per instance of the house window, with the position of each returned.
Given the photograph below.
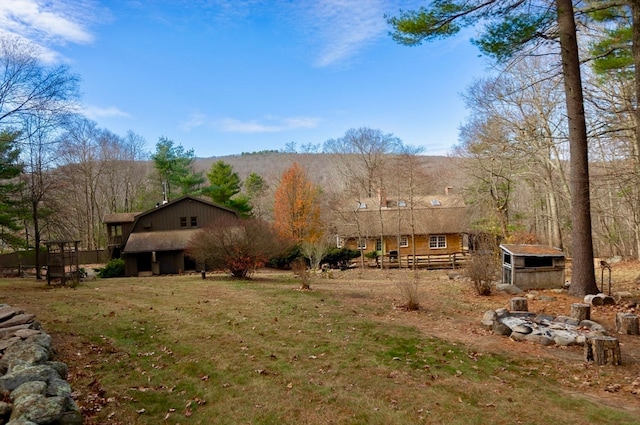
(362, 243)
(437, 241)
(362, 205)
(378, 244)
(339, 242)
(402, 203)
(116, 230)
(194, 221)
(183, 221)
(404, 241)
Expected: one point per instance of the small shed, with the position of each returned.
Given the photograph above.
(532, 266)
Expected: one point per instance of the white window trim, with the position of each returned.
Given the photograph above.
(362, 243)
(435, 241)
(339, 242)
(404, 241)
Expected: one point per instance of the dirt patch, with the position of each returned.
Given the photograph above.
(451, 310)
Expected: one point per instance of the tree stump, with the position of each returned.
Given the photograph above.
(603, 350)
(581, 311)
(627, 323)
(518, 304)
(593, 299)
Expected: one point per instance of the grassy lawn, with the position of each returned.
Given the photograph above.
(182, 350)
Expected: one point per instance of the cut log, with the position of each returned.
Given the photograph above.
(602, 350)
(627, 323)
(593, 299)
(519, 304)
(581, 311)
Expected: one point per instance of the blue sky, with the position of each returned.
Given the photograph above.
(224, 77)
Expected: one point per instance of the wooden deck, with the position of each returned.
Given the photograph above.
(435, 261)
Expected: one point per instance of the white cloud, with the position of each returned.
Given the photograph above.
(95, 112)
(266, 125)
(197, 119)
(47, 22)
(339, 29)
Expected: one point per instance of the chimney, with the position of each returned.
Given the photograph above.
(382, 197)
(447, 190)
(164, 193)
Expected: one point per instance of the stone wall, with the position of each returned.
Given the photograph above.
(33, 386)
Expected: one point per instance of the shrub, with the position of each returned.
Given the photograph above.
(340, 257)
(299, 267)
(238, 246)
(114, 268)
(409, 291)
(284, 259)
(481, 269)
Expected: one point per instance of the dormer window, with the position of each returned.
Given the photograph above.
(362, 205)
(435, 203)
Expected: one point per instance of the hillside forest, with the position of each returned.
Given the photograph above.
(514, 163)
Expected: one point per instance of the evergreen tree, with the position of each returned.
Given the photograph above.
(174, 166)
(224, 188)
(11, 207)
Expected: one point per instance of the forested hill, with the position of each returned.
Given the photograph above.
(322, 168)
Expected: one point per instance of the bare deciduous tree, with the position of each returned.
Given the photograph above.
(238, 246)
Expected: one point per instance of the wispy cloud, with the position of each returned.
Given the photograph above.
(340, 29)
(196, 119)
(95, 112)
(47, 23)
(268, 124)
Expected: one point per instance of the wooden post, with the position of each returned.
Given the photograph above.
(627, 323)
(518, 304)
(603, 350)
(580, 311)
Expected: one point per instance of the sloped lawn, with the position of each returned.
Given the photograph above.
(182, 350)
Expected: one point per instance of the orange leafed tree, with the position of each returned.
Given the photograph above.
(297, 209)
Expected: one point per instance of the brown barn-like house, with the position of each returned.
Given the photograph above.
(425, 231)
(154, 242)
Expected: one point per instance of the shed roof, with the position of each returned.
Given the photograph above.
(525, 250)
(119, 217)
(167, 240)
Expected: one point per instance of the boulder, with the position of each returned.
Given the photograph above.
(500, 328)
(23, 374)
(39, 409)
(31, 387)
(488, 318)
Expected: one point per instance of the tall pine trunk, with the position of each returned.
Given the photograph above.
(583, 279)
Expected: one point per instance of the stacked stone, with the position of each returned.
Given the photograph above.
(33, 388)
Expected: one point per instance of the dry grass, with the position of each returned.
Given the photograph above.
(182, 350)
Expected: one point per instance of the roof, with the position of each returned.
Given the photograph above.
(447, 216)
(524, 250)
(120, 217)
(167, 240)
(178, 200)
